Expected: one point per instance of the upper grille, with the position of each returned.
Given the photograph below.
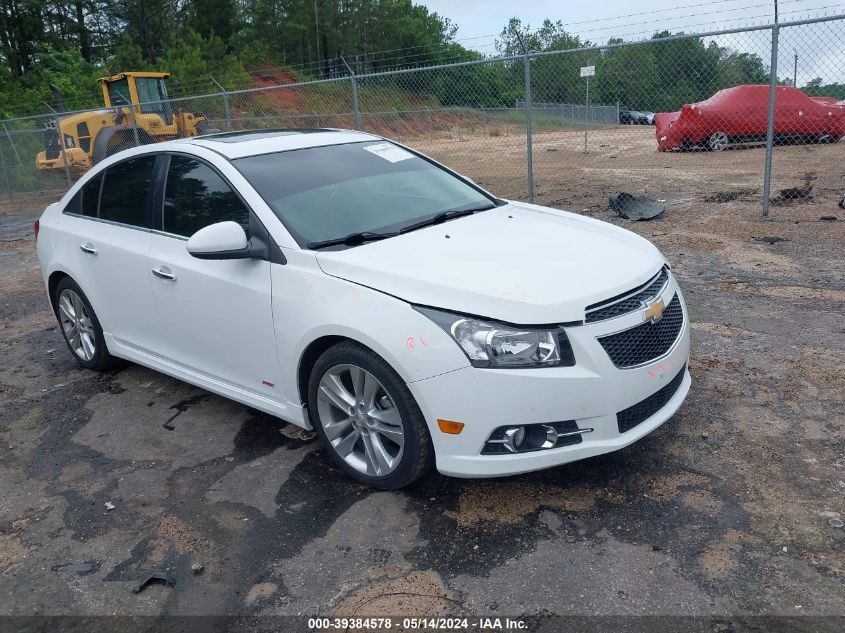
(645, 342)
(628, 301)
(628, 418)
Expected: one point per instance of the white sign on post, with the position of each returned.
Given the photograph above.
(588, 71)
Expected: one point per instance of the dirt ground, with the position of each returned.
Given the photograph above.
(729, 509)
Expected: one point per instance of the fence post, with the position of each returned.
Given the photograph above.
(355, 107)
(227, 112)
(770, 127)
(62, 147)
(586, 113)
(6, 174)
(528, 122)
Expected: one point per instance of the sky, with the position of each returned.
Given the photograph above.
(820, 47)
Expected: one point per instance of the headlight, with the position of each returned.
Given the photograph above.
(491, 344)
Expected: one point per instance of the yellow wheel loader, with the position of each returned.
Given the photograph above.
(137, 111)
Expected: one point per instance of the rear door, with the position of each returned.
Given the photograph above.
(109, 230)
(214, 317)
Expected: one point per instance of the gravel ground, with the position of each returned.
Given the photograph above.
(728, 509)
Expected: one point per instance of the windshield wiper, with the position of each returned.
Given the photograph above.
(353, 239)
(443, 216)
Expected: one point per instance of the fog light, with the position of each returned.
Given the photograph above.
(507, 440)
(514, 438)
(551, 436)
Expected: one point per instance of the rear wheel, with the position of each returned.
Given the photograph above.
(718, 141)
(80, 326)
(367, 419)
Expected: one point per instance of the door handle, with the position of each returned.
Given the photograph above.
(88, 248)
(164, 273)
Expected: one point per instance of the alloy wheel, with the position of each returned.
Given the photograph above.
(77, 325)
(718, 141)
(360, 420)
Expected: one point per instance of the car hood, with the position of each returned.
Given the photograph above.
(518, 263)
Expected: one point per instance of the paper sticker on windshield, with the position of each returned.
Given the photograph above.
(389, 152)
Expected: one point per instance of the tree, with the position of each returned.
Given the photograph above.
(735, 69)
(214, 17)
(628, 76)
(151, 23)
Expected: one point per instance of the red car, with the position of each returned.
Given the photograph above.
(739, 115)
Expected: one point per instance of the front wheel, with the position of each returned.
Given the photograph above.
(367, 419)
(80, 326)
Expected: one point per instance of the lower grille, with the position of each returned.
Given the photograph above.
(628, 418)
(646, 342)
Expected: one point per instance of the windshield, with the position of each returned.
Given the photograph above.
(326, 193)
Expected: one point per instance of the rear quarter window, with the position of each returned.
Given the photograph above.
(87, 199)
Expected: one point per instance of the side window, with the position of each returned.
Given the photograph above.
(119, 92)
(125, 188)
(196, 196)
(86, 199)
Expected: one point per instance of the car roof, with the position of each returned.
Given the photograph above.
(243, 143)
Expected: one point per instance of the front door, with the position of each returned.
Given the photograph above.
(214, 316)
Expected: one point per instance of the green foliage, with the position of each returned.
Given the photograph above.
(210, 18)
(627, 76)
(65, 69)
(71, 43)
(816, 89)
(193, 60)
(44, 41)
(652, 76)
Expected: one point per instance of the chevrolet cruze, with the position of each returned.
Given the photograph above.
(346, 283)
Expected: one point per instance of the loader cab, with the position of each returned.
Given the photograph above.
(146, 90)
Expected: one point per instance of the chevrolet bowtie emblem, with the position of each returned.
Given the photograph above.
(654, 311)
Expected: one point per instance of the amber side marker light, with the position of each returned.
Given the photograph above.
(452, 428)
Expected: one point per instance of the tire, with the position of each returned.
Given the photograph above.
(383, 440)
(718, 141)
(125, 139)
(119, 139)
(89, 347)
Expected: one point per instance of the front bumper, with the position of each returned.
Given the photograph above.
(591, 393)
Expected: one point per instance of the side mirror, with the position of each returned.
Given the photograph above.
(223, 240)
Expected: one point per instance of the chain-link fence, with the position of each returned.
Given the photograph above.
(563, 127)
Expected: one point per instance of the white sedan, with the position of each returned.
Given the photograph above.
(349, 284)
